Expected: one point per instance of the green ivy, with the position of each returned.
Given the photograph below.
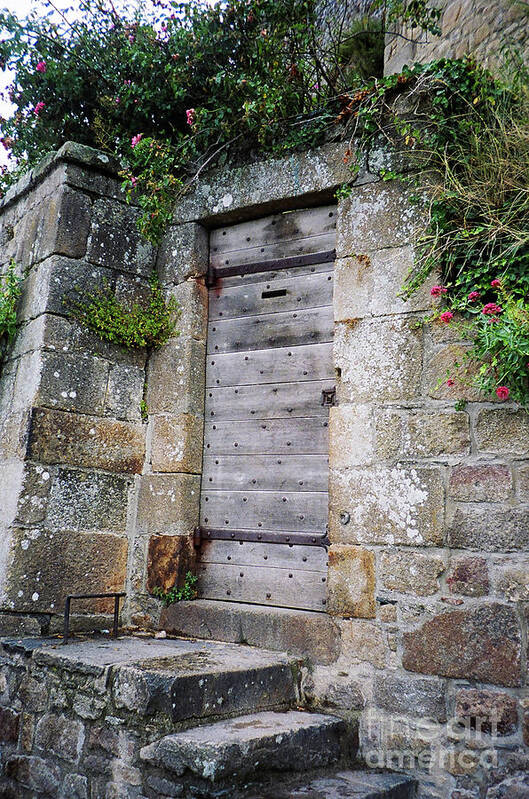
(10, 291)
(131, 325)
(187, 592)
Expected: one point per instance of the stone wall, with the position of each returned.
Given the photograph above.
(475, 27)
(72, 441)
(429, 510)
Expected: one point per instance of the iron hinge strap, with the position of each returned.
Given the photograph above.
(311, 259)
(262, 537)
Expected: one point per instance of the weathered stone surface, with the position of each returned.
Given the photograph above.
(468, 576)
(480, 483)
(168, 503)
(364, 641)
(374, 217)
(33, 694)
(359, 434)
(378, 360)
(351, 582)
(490, 712)
(483, 643)
(34, 773)
(368, 284)
(387, 613)
(309, 740)
(511, 788)
(88, 707)
(73, 383)
(523, 482)
(74, 786)
(192, 298)
(61, 437)
(9, 725)
(511, 578)
(264, 184)
(322, 687)
(177, 443)
(399, 505)
(402, 695)
(114, 240)
(411, 572)
(176, 377)
(170, 557)
(436, 433)
(441, 364)
(63, 226)
(491, 529)
(81, 500)
(18, 624)
(33, 499)
(61, 736)
(503, 431)
(183, 253)
(124, 392)
(51, 564)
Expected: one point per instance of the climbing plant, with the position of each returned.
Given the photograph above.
(10, 290)
(172, 88)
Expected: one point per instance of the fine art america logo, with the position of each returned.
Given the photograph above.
(458, 746)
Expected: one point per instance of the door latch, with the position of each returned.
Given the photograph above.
(328, 397)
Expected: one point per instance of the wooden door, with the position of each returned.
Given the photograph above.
(269, 383)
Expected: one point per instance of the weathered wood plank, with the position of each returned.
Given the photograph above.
(281, 365)
(281, 227)
(294, 589)
(267, 556)
(289, 329)
(302, 512)
(269, 401)
(270, 277)
(314, 291)
(323, 242)
(308, 436)
(266, 473)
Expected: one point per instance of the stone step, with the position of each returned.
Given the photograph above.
(336, 784)
(301, 633)
(267, 742)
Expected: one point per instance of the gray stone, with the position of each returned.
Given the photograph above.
(33, 694)
(115, 241)
(83, 440)
(339, 784)
(176, 377)
(34, 773)
(73, 383)
(511, 788)
(124, 392)
(490, 528)
(503, 431)
(299, 633)
(61, 736)
(411, 572)
(64, 224)
(183, 253)
(161, 786)
(74, 786)
(403, 695)
(168, 503)
(81, 500)
(88, 707)
(284, 742)
(33, 499)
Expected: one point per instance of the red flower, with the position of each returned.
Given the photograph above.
(474, 295)
(436, 291)
(496, 284)
(41, 66)
(190, 116)
(502, 392)
(492, 309)
(38, 108)
(450, 382)
(446, 317)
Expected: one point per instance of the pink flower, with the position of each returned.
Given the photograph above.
(117, 100)
(38, 108)
(491, 309)
(436, 291)
(133, 180)
(496, 284)
(450, 382)
(502, 392)
(136, 139)
(446, 317)
(190, 116)
(473, 296)
(41, 66)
